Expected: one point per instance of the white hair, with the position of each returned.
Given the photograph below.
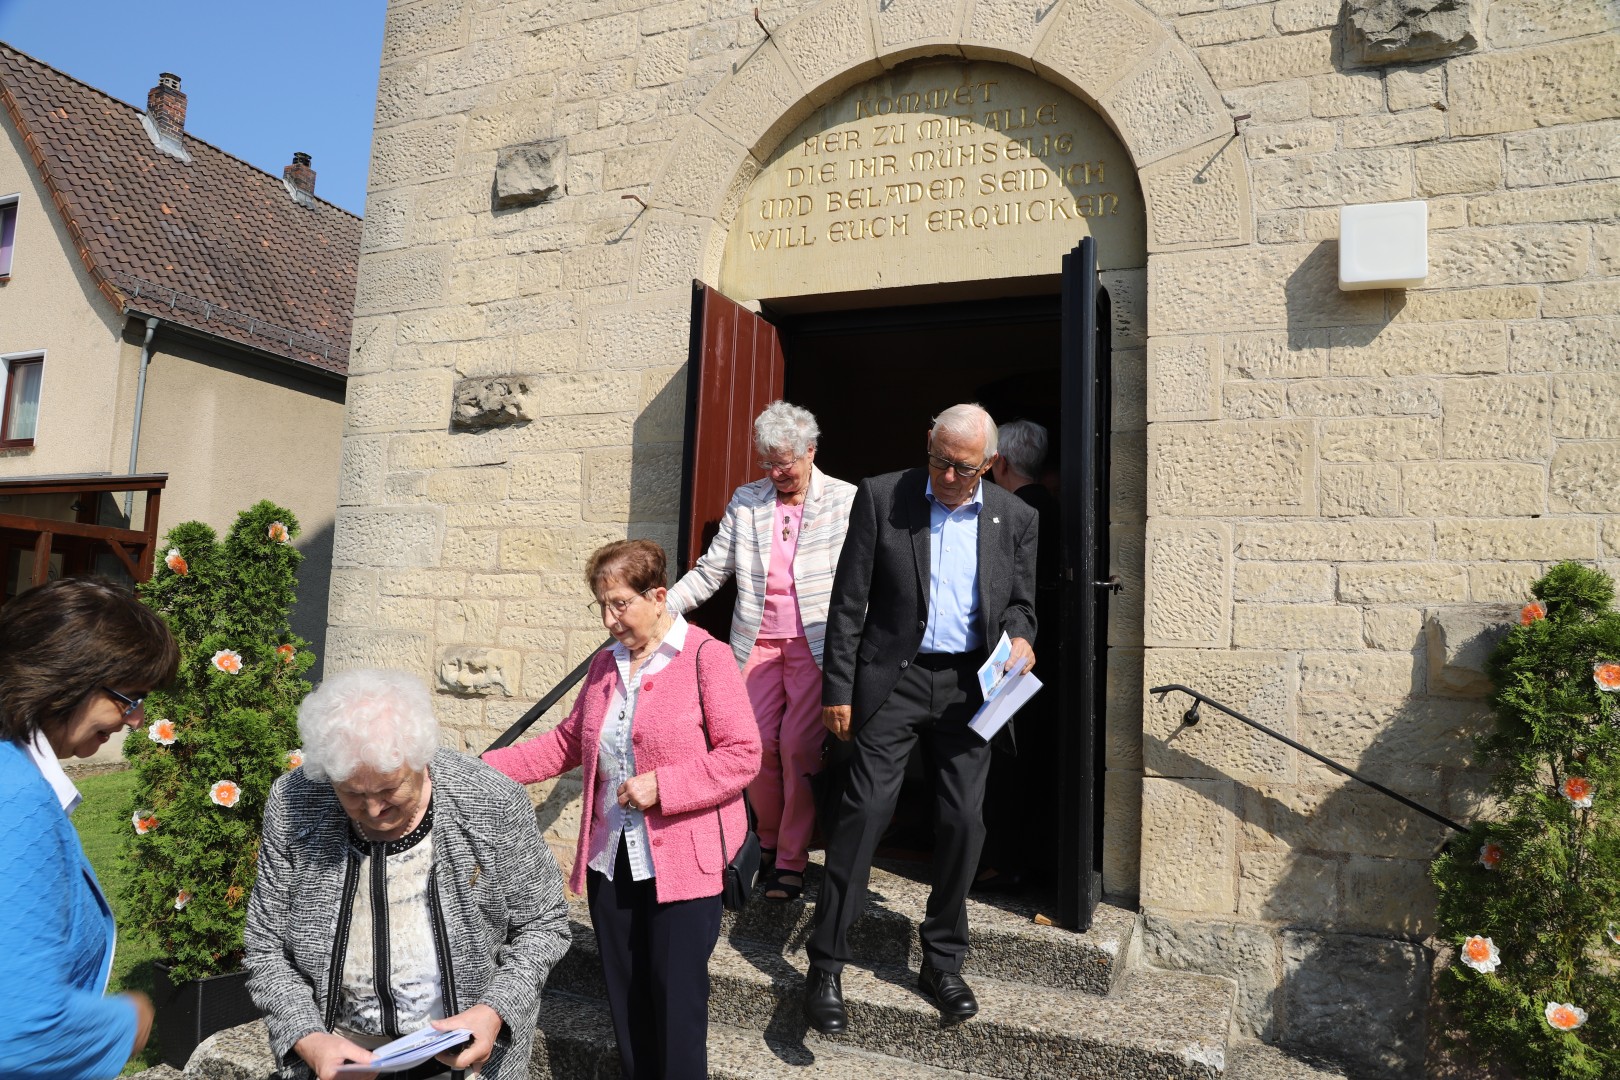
(967, 421)
(1023, 447)
(785, 427)
(368, 717)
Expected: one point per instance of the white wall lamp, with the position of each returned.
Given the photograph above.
(1383, 245)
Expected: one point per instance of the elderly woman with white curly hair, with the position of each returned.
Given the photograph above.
(400, 885)
(780, 538)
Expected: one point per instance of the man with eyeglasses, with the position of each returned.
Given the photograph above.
(936, 566)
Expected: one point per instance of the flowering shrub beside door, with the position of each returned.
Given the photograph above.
(1532, 899)
(218, 738)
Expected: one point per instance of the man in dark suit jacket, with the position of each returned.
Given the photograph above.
(936, 566)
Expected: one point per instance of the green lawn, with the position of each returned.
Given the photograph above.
(103, 822)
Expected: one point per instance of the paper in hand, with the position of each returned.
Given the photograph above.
(993, 714)
(993, 676)
(408, 1051)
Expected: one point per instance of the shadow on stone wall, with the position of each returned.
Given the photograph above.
(1332, 950)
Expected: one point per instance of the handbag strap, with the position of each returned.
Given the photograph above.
(703, 722)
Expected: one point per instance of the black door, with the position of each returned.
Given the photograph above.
(1082, 686)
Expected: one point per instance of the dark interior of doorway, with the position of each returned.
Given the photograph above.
(875, 378)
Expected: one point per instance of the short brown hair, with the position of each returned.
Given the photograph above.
(640, 564)
(65, 640)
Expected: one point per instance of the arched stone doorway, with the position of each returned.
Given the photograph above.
(1110, 57)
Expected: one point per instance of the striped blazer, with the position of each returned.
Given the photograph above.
(495, 894)
(742, 549)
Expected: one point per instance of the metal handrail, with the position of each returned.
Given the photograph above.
(1190, 718)
(541, 707)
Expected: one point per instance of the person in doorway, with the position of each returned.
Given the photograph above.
(1020, 801)
(401, 885)
(780, 538)
(77, 656)
(667, 741)
(936, 566)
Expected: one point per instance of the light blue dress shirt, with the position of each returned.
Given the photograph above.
(953, 575)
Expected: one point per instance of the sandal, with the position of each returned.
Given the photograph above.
(789, 891)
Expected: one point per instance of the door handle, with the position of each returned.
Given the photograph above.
(1113, 584)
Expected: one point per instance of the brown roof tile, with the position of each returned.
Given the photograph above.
(214, 243)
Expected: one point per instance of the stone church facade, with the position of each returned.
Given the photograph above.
(1317, 494)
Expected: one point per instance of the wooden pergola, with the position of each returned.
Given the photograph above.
(81, 539)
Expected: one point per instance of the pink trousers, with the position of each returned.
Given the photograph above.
(784, 686)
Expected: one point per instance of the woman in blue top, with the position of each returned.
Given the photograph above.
(76, 658)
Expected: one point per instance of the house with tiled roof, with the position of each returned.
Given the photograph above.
(165, 308)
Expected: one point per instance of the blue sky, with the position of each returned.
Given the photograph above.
(262, 79)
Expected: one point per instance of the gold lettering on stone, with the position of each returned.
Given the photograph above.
(923, 154)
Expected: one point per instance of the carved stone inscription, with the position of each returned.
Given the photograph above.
(939, 172)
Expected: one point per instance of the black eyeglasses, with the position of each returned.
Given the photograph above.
(130, 704)
(966, 472)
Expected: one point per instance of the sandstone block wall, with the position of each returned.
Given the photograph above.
(1306, 478)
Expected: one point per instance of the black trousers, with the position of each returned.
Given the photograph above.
(932, 703)
(655, 960)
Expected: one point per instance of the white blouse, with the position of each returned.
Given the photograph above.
(616, 763)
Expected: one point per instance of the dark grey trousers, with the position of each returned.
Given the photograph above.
(932, 703)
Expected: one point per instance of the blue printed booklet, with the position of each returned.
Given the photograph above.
(992, 676)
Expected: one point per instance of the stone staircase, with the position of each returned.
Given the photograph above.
(1054, 1005)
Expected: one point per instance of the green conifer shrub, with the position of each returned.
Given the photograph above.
(1531, 900)
(215, 741)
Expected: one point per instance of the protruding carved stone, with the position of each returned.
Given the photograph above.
(1397, 31)
(478, 671)
(484, 403)
(1460, 641)
(527, 174)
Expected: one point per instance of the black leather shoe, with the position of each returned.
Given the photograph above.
(956, 1002)
(824, 1002)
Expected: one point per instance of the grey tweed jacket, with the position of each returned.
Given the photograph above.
(498, 891)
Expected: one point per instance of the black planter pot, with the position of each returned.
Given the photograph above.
(190, 1012)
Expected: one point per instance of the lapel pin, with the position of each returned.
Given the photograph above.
(995, 521)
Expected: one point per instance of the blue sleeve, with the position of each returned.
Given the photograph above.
(49, 1027)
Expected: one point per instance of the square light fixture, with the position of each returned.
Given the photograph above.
(1383, 245)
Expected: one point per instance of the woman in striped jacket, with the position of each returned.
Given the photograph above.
(780, 539)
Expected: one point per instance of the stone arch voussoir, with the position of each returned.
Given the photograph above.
(1113, 54)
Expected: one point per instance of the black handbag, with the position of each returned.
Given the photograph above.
(742, 869)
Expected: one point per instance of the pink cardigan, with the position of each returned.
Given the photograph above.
(668, 739)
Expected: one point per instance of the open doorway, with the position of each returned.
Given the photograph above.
(875, 378)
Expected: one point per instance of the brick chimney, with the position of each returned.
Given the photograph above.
(299, 174)
(166, 106)
(299, 180)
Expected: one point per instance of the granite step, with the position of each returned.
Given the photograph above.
(576, 1043)
(1152, 1025)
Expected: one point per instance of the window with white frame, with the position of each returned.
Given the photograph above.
(19, 418)
(8, 232)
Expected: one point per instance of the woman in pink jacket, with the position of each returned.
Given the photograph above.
(650, 856)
